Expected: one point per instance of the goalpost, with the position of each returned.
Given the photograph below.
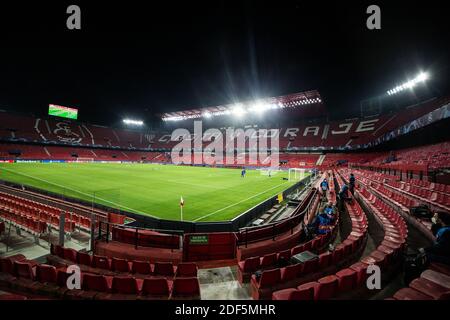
(296, 174)
(83, 160)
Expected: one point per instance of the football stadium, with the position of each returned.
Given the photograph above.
(137, 174)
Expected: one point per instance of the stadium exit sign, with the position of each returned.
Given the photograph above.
(199, 239)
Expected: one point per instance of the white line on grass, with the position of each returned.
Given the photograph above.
(232, 205)
(80, 192)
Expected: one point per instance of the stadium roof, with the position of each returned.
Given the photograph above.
(295, 100)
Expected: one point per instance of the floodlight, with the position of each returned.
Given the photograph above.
(238, 109)
(207, 114)
(133, 122)
(421, 77)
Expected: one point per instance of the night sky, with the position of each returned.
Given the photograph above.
(131, 60)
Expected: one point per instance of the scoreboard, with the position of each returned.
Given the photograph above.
(64, 112)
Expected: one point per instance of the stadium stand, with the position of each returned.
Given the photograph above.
(129, 262)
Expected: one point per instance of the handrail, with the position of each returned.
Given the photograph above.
(271, 229)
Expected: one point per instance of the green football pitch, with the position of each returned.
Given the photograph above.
(209, 194)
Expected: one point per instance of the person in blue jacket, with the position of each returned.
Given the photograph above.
(351, 183)
(324, 187)
(440, 250)
(329, 210)
(321, 223)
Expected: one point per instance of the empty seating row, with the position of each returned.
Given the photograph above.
(251, 265)
(100, 264)
(41, 212)
(28, 224)
(47, 279)
(433, 284)
(146, 238)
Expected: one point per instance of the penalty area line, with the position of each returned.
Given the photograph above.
(232, 205)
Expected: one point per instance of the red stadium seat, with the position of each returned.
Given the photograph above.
(70, 254)
(429, 288)
(284, 255)
(84, 258)
(250, 264)
(268, 260)
(410, 294)
(45, 273)
(310, 266)
(291, 272)
(186, 270)
(347, 279)
(24, 270)
(120, 265)
(328, 287)
(186, 288)
(124, 285)
(324, 260)
(294, 294)
(95, 282)
(156, 288)
(101, 262)
(164, 269)
(141, 267)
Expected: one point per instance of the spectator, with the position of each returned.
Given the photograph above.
(321, 223)
(343, 193)
(329, 211)
(440, 250)
(324, 187)
(351, 184)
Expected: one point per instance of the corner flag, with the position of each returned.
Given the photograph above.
(181, 202)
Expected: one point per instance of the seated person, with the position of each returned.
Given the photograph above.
(440, 250)
(321, 224)
(329, 210)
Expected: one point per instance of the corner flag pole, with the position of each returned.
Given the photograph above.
(181, 207)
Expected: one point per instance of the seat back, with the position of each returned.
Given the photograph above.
(328, 287)
(46, 273)
(101, 262)
(124, 285)
(155, 287)
(302, 294)
(163, 269)
(70, 254)
(120, 265)
(95, 282)
(23, 270)
(269, 260)
(270, 278)
(284, 255)
(141, 267)
(84, 258)
(7, 265)
(186, 287)
(252, 264)
(291, 272)
(187, 270)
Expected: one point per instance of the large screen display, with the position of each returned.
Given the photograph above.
(64, 112)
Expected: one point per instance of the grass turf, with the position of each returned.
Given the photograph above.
(210, 194)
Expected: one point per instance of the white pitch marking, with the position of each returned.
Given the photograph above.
(232, 205)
